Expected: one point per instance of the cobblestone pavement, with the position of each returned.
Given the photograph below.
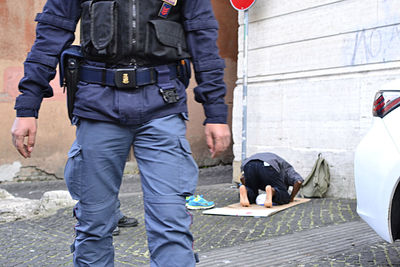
(46, 241)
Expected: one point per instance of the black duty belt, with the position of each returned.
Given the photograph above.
(123, 78)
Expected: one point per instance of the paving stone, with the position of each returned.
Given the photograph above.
(45, 241)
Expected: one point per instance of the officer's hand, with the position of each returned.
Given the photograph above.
(24, 127)
(218, 137)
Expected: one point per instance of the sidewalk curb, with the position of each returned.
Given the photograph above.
(309, 245)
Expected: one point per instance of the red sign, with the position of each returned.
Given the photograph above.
(242, 4)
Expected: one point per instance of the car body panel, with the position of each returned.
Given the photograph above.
(377, 172)
(392, 124)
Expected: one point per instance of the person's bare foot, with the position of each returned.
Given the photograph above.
(244, 201)
(268, 199)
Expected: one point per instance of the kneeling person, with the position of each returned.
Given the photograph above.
(269, 172)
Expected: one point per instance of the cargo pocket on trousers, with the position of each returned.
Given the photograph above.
(189, 169)
(73, 170)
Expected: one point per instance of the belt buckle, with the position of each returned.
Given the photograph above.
(125, 78)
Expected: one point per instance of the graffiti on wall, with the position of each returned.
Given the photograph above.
(376, 45)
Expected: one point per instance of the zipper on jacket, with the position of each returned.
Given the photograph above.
(134, 30)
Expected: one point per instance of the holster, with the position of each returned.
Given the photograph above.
(70, 60)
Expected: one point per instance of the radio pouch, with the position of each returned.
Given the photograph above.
(70, 60)
(99, 29)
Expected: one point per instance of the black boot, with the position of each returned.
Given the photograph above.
(127, 222)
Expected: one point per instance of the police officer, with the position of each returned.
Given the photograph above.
(131, 91)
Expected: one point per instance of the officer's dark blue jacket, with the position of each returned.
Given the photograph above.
(55, 32)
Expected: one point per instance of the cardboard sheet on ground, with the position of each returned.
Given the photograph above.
(254, 210)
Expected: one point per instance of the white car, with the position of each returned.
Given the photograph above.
(377, 166)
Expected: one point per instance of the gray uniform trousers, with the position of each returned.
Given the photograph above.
(168, 173)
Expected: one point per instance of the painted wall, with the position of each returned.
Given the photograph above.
(314, 68)
(55, 135)
(228, 46)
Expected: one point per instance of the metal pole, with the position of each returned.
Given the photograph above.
(244, 100)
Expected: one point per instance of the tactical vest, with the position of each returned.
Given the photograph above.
(132, 32)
